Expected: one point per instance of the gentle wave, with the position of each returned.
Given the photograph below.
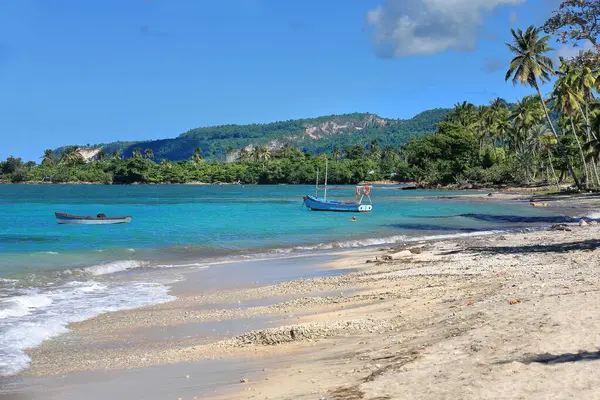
(594, 215)
(114, 266)
(41, 314)
(19, 306)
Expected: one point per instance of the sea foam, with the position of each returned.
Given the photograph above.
(114, 267)
(35, 315)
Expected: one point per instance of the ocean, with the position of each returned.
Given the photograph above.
(52, 275)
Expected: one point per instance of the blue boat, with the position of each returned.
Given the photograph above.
(315, 203)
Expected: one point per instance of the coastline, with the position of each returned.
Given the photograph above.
(371, 320)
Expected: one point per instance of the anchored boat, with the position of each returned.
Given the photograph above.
(315, 203)
(99, 219)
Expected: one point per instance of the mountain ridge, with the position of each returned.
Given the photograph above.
(313, 135)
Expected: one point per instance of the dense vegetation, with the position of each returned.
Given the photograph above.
(331, 131)
(287, 165)
(538, 139)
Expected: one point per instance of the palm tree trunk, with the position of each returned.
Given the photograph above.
(560, 147)
(590, 133)
(585, 168)
(552, 168)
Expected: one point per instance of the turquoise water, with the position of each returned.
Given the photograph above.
(197, 222)
(53, 274)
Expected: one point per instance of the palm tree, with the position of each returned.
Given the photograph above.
(197, 157)
(499, 115)
(465, 114)
(336, 153)
(48, 159)
(149, 153)
(375, 151)
(547, 142)
(567, 100)
(71, 156)
(244, 155)
(116, 156)
(165, 164)
(136, 154)
(527, 113)
(264, 154)
(101, 155)
(531, 64)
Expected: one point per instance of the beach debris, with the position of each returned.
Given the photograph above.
(535, 204)
(244, 380)
(469, 303)
(501, 237)
(582, 223)
(448, 300)
(187, 377)
(513, 302)
(476, 347)
(593, 222)
(490, 194)
(560, 227)
(402, 254)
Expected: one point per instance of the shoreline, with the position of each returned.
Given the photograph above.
(248, 321)
(367, 298)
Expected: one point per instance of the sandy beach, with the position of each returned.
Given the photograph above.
(511, 316)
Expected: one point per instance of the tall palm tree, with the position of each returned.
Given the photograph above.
(530, 65)
(71, 156)
(264, 154)
(165, 164)
(197, 157)
(527, 113)
(101, 155)
(547, 142)
(244, 155)
(465, 114)
(499, 115)
(149, 153)
(48, 159)
(567, 100)
(136, 154)
(375, 151)
(336, 153)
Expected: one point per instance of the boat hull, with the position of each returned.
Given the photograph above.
(81, 220)
(316, 204)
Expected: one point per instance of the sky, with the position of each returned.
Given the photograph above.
(87, 72)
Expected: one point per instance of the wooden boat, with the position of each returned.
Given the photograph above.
(315, 203)
(99, 219)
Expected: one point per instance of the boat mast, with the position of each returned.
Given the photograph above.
(317, 184)
(325, 177)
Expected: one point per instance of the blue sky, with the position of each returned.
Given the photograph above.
(78, 72)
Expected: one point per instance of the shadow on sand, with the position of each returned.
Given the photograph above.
(590, 244)
(551, 359)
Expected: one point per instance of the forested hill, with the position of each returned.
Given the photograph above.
(314, 135)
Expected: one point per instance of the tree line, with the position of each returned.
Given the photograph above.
(553, 138)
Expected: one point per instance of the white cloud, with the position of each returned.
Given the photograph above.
(568, 51)
(402, 28)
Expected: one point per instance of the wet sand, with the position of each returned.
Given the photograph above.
(511, 316)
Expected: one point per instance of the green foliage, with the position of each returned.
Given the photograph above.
(313, 135)
(576, 20)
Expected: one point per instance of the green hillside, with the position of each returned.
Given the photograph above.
(314, 135)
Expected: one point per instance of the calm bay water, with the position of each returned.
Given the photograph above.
(53, 274)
